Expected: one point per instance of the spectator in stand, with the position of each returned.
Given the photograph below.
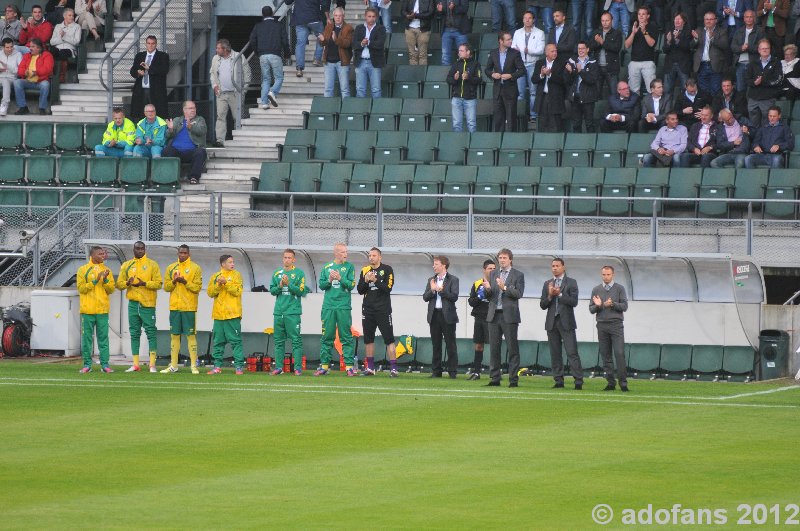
(384, 12)
(543, 9)
(621, 11)
(562, 35)
(119, 137)
(35, 27)
(764, 80)
(689, 103)
(187, 140)
(678, 55)
(455, 27)
(623, 111)
(11, 27)
(667, 146)
(687, 7)
(34, 72)
(54, 10)
(582, 11)
(642, 43)
(464, 78)
(702, 142)
(271, 44)
(774, 16)
(731, 99)
(149, 71)
(151, 134)
(550, 74)
(772, 140)
(583, 75)
(64, 42)
(503, 16)
(733, 141)
(9, 65)
(731, 14)
(655, 107)
(744, 47)
(529, 42)
(791, 72)
(227, 73)
(605, 45)
(91, 15)
(418, 13)
(369, 57)
(711, 54)
(307, 18)
(337, 39)
(504, 66)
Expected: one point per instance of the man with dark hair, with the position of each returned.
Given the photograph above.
(308, 17)
(655, 107)
(710, 55)
(183, 281)
(701, 146)
(562, 35)
(559, 298)
(464, 79)
(369, 56)
(669, 143)
(504, 66)
(731, 99)
(504, 288)
(677, 51)
(10, 59)
(605, 44)
(95, 284)
(225, 287)
(227, 73)
(271, 44)
(35, 27)
(689, 103)
(455, 26)
(34, 73)
(584, 75)
(375, 283)
(288, 285)
(642, 43)
(441, 294)
(772, 140)
(608, 303)
(149, 71)
(479, 300)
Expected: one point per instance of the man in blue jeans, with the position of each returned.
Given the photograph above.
(583, 10)
(772, 140)
(621, 11)
(455, 26)
(271, 43)
(503, 15)
(464, 79)
(543, 10)
(308, 17)
(368, 54)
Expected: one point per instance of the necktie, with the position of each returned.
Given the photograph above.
(558, 285)
(503, 275)
(608, 288)
(147, 61)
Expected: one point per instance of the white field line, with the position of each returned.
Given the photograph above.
(767, 392)
(371, 391)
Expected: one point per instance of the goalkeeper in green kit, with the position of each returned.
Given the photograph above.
(288, 285)
(337, 280)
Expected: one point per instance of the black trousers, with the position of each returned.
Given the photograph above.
(499, 329)
(197, 157)
(555, 338)
(442, 330)
(582, 113)
(609, 80)
(504, 109)
(611, 336)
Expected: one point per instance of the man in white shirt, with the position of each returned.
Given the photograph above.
(10, 59)
(529, 41)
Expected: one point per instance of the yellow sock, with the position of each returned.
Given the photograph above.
(325, 366)
(135, 360)
(348, 367)
(174, 349)
(192, 342)
(153, 357)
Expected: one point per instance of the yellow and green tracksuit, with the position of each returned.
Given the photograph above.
(287, 312)
(183, 307)
(337, 312)
(94, 307)
(141, 302)
(227, 315)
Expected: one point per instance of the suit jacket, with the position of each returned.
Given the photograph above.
(612, 44)
(589, 90)
(679, 51)
(513, 65)
(741, 7)
(515, 288)
(752, 43)
(567, 43)
(737, 105)
(771, 79)
(377, 43)
(717, 49)
(628, 108)
(427, 8)
(556, 87)
(700, 101)
(566, 304)
(664, 106)
(694, 134)
(449, 296)
(780, 16)
(159, 67)
(726, 146)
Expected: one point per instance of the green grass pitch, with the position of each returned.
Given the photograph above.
(144, 450)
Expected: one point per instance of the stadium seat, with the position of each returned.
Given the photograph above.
(547, 148)
(408, 80)
(354, 113)
(426, 181)
(273, 177)
(482, 148)
(165, 173)
(421, 148)
(707, 361)
(397, 49)
(738, 362)
(94, 136)
(617, 183)
(415, 115)
(365, 180)
(458, 180)
(39, 136)
(10, 136)
(609, 150)
(589, 354)
(717, 183)
(69, 138)
(452, 148)
(43, 200)
(304, 178)
(554, 182)
(132, 173)
(515, 149)
(334, 181)
(436, 85)
(683, 183)
(103, 171)
(390, 147)
(782, 184)
(644, 359)
(359, 145)
(396, 180)
(383, 116)
(651, 183)
(676, 360)
(578, 149)
(584, 191)
(39, 169)
(297, 145)
(72, 171)
(12, 170)
(638, 147)
(750, 184)
(328, 146)
(14, 202)
(490, 182)
(323, 114)
(522, 181)
(442, 117)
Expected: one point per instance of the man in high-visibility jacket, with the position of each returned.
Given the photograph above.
(183, 280)
(141, 277)
(95, 284)
(119, 137)
(225, 287)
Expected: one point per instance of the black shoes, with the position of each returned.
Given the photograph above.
(513, 384)
(579, 387)
(558, 386)
(21, 111)
(45, 112)
(609, 387)
(493, 383)
(474, 376)
(623, 388)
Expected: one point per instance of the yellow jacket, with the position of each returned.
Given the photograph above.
(183, 297)
(227, 298)
(145, 270)
(94, 296)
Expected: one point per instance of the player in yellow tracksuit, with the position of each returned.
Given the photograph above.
(141, 277)
(95, 284)
(225, 287)
(183, 280)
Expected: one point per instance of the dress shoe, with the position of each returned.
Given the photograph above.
(558, 386)
(579, 387)
(513, 384)
(493, 383)
(434, 375)
(609, 387)
(474, 376)
(21, 111)
(623, 388)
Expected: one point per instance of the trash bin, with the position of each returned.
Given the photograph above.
(773, 354)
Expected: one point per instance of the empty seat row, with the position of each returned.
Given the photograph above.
(66, 138)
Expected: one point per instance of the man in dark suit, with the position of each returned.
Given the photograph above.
(369, 57)
(710, 54)
(731, 99)
(677, 50)
(689, 102)
(605, 45)
(584, 75)
(504, 288)
(149, 69)
(559, 298)
(441, 294)
(563, 35)
(504, 66)
(655, 107)
(551, 75)
(732, 17)
(623, 111)
(702, 145)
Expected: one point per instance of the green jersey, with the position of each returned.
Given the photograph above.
(288, 300)
(337, 292)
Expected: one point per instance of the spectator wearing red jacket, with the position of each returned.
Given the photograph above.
(34, 73)
(35, 27)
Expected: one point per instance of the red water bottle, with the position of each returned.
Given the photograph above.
(341, 363)
(287, 360)
(304, 362)
(267, 365)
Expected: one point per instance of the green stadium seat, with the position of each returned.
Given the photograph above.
(39, 136)
(490, 182)
(333, 180)
(707, 360)
(427, 180)
(589, 354)
(522, 181)
(578, 149)
(132, 173)
(676, 360)
(397, 50)
(390, 146)
(304, 178)
(72, 171)
(482, 149)
(547, 148)
(103, 171)
(408, 80)
(638, 147)
(651, 183)
(383, 116)
(14, 201)
(458, 180)
(69, 138)
(683, 183)
(12, 170)
(365, 180)
(94, 136)
(165, 172)
(436, 85)
(554, 182)
(354, 113)
(442, 117)
(297, 145)
(396, 180)
(609, 150)
(273, 177)
(359, 145)
(750, 184)
(452, 148)
(43, 200)
(584, 191)
(39, 169)
(324, 113)
(421, 148)
(738, 362)
(644, 360)
(415, 115)
(617, 183)
(10, 136)
(717, 183)
(782, 184)
(329, 146)
(515, 149)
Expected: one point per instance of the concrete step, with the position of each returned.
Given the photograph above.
(246, 152)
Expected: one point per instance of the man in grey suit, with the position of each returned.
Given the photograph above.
(504, 289)
(608, 303)
(441, 294)
(559, 298)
